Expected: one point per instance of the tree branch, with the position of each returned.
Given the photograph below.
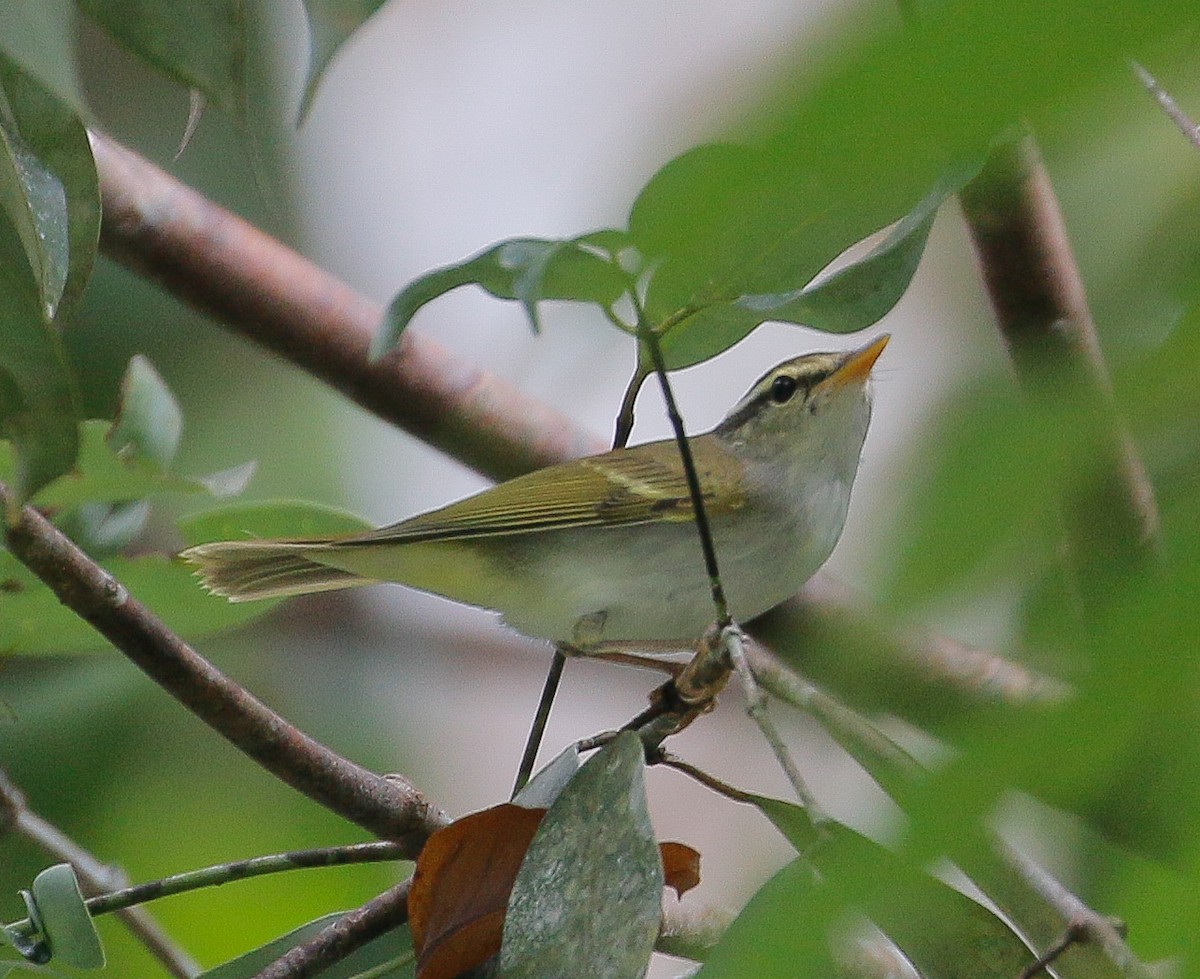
(268, 293)
(828, 634)
(1041, 308)
(94, 877)
(350, 932)
(385, 806)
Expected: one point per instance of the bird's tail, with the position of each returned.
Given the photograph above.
(243, 571)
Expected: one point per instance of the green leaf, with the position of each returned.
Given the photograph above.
(35, 205)
(946, 934)
(791, 820)
(200, 45)
(38, 415)
(527, 269)
(50, 207)
(587, 899)
(995, 471)
(64, 191)
(40, 36)
(862, 292)
(122, 463)
(65, 921)
(149, 422)
(274, 518)
(781, 933)
(8, 968)
(394, 948)
(751, 239)
(330, 23)
(102, 475)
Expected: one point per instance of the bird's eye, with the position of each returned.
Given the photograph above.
(782, 388)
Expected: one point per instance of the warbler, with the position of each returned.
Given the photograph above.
(604, 549)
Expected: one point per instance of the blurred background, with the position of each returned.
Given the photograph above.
(439, 129)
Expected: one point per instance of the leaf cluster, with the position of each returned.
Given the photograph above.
(858, 152)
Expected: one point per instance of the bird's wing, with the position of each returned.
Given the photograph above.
(621, 488)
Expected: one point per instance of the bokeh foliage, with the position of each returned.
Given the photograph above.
(860, 134)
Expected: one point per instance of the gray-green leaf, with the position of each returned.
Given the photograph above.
(587, 899)
(67, 925)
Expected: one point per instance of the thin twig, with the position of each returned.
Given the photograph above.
(350, 932)
(125, 898)
(265, 291)
(649, 339)
(706, 779)
(386, 807)
(94, 876)
(886, 762)
(756, 707)
(1074, 934)
(1181, 119)
(1079, 920)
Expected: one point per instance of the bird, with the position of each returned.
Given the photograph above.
(604, 549)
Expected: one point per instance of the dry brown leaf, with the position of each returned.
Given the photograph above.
(681, 866)
(461, 885)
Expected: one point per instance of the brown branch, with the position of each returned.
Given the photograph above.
(387, 807)
(1041, 309)
(260, 288)
(828, 634)
(94, 876)
(350, 932)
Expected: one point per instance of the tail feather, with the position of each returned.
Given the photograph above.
(243, 571)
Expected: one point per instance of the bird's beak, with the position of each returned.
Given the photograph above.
(857, 365)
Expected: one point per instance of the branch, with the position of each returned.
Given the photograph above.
(1081, 925)
(94, 876)
(385, 806)
(350, 932)
(828, 634)
(224, 873)
(1041, 308)
(268, 293)
(1182, 120)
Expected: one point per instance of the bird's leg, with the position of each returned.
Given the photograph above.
(534, 741)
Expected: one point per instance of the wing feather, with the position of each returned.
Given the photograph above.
(622, 488)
